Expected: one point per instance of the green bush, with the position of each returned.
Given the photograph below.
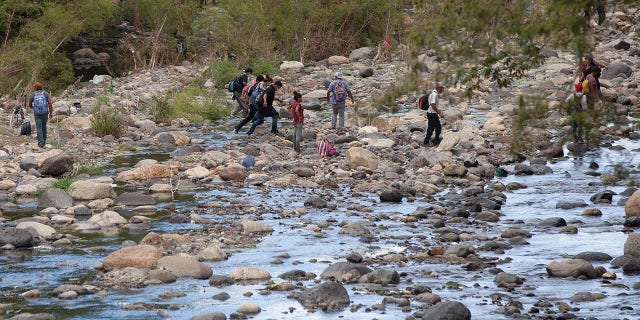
(162, 110)
(221, 72)
(198, 104)
(107, 121)
(63, 183)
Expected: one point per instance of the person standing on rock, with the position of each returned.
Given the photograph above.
(239, 83)
(593, 87)
(42, 106)
(433, 117)
(337, 94)
(264, 104)
(298, 119)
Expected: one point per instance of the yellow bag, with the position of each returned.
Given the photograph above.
(585, 86)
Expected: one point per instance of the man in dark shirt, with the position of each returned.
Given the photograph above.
(264, 104)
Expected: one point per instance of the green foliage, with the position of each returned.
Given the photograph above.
(262, 66)
(63, 183)
(87, 166)
(197, 104)
(107, 121)
(531, 113)
(221, 72)
(162, 110)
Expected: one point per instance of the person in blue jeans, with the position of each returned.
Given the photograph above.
(42, 106)
(264, 104)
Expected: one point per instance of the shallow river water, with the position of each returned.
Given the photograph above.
(45, 268)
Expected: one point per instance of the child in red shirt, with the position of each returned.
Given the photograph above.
(298, 119)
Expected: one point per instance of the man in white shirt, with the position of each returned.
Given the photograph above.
(433, 116)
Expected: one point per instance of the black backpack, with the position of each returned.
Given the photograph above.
(423, 103)
(25, 129)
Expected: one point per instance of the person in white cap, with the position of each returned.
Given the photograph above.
(337, 94)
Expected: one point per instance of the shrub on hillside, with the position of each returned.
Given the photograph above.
(107, 121)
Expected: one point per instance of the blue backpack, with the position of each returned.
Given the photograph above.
(340, 90)
(40, 105)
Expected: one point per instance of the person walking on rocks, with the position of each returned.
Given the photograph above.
(264, 104)
(433, 116)
(42, 106)
(261, 85)
(238, 84)
(586, 65)
(298, 119)
(337, 94)
(576, 105)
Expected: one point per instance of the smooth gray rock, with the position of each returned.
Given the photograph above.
(328, 296)
(57, 165)
(340, 271)
(18, 238)
(134, 199)
(447, 310)
(56, 198)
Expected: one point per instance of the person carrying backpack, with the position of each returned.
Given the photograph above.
(261, 84)
(264, 104)
(433, 116)
(576, 105)
(337, 94)
(585, 67)
(237, 85)
(42, 106)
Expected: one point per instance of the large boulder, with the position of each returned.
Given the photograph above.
(358, 156)
(291, 65)
(140, 256)
(91, 190)
(18, 238)
(326, 296)
(381, 276)
(234, 172)
(345, 271)
(249, 274)
(37, 229)
(447, 310)
(616, 69)
(632, 245)
(107, 218)
(632, 206)
(57, 165)
(185, 266)
(56, 198)
(571, 268)
(337, 60)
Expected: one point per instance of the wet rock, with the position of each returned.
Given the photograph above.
(315, 202)
(329, 296)
(632, 206)
(516, 186)
(571, 268)
(107, 218)
(428, 297)
(140, 256)
(632, 266)
(37, 229)
(33, 316)
(249, 308)
(487, 216)
(144, 172)
(81, 290)
(521, 169)
(222, 296)
(249, 274)
(56, 198)
(540, 169)
(197, 172)
(91, 190)
(360, 157)
(304, 172)
(210, 316)
(461, 250)
(233, 173)
(213, 253)
(162, 276)
(570, 204)
(586, 296)
(345, 271)
(255, 227)
(454, 170)
(57, 165)
(391, 196)
(220, 281)
(17, 238)
(632, 245)
(622, 45)
(592, 212)
(297, 275)
(354, 257)
(356, 229)
(447, 310)
(553, 222)
(621, 260)
(134, 199)
(515, 232)
(602, 197)
(593, 256)
(632, 222)
(381, 276)
(31, 294)
(28, 163)
(507, 279)
(184, 265)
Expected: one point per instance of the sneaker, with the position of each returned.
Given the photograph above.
(235, 130)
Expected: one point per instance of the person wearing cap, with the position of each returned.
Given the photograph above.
(576, 105)
(337, 94)
(264, 104)
(41, 118)
(240, 83)
(433, 116)
(585, 67)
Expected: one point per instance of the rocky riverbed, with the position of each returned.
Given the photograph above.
(176, 227)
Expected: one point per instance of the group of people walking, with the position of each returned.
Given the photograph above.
(581, 104)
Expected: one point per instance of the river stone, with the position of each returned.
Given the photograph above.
(507, 278)
(33, 316)
(251, 226)
(632, 206)
(210, 316)
(56, 198)
(140, 256)
(304, 172)
(447, 310)
(28, 163)
(222, 296)
(220, 281)
(41, 230)
(632, 245)
(461, 250)
(391, 196)
(571, 204)
(345, 271)
(7, 184)
(356, 229)
(57, 165)
(171, 138)
(632, 266)
(145, 172)
(602, 197)
(521, 169)
(615, 69)
(249, 308)
(107, 218)
(31, 294)
(315, 202)
(381, 276)
(212, 253)
(593, 256)
(586, 296)
(233, 173)
(428, 297)
(553, 222)
(297, 275)
(592, 212)
(197, 172)
(571, 268)
(361, 53)
(68, 295)
(291, 66)
(354, 257)
(365, 72)
(249, 274)
(336, 60)
(134, 199)
(18, 238)
(454, 170)
(91, 190)
(487, 216)
(329, 296)
(183, 265)
(360, 157)
(515, 232)
(81, 290)
(26, 189)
